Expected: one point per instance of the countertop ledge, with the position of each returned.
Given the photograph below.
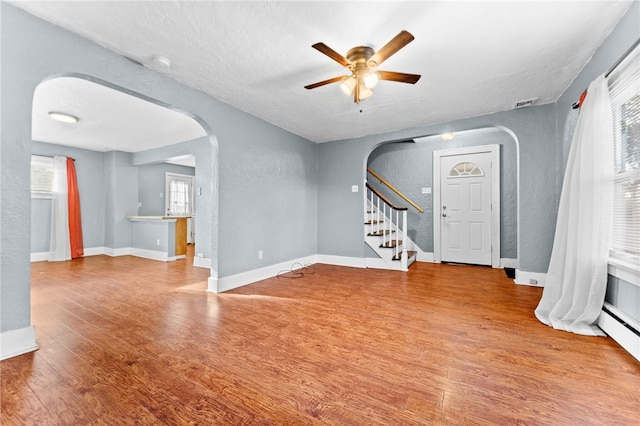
(156, 217)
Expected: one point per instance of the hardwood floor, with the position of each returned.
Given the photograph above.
(133, 341)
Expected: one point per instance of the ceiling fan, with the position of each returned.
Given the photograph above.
(362, 63)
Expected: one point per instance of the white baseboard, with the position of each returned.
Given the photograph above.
(353, 262)
(535, 279)
(151, 254)
(212, 285)
(40, 257)
(90, 251)
(376, 263)
(508, 263)
(94, 251)
(219, 285)
(621, 334)
(138, 252)
(202, 262)
(125, 251)
(423, 256)
(17, 342)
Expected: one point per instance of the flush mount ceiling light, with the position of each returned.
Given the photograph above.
(448, 136)
(363, 62)
(63, 117)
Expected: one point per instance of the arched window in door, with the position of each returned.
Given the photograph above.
(465, 169)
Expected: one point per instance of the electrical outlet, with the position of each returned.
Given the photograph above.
(533, 281)
(259, 254)
(158, 241)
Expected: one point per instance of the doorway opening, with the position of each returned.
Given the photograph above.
(117, 133)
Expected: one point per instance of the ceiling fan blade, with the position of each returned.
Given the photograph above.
(323, 48)
(398, 76)
(325, 82)
(398, 42)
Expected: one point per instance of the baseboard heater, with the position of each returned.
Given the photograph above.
(621, 329)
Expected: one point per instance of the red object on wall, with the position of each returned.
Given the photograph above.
(75, 219)
(582, 98)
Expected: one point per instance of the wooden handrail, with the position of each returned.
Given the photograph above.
(385, 200)
(388, 185)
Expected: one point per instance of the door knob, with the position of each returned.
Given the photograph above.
(444, 215)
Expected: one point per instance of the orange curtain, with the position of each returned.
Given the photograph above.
(75, 219)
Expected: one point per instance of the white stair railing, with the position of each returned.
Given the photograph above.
(381, 221)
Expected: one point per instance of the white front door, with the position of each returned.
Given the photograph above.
(464, 212)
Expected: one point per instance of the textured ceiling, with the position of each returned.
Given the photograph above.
(475, 57)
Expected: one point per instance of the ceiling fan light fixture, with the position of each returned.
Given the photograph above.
(63, 117)
(371, 79)
(364, 92)
(347, 85)
(362, 63)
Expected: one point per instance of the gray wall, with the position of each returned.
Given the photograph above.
(201, 149)
(268, 196)
(343, 163)
(267, 187)
(91, 186)
(151, 183)
(156, 235)
(409, 168)
(121, 194)
(96, 172)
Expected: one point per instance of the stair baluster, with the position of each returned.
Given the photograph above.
(381, 224)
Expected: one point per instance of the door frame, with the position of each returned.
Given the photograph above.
(494, 150)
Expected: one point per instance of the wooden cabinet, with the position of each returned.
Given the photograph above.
(181, 236)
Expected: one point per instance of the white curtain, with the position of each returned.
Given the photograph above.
(577, 277)
(60, 248)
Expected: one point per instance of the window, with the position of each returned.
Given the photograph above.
(624, 87)
(42, 174)
(466, 169)
(179, 190)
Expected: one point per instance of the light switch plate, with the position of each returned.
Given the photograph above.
(426, 190)
(354, 188)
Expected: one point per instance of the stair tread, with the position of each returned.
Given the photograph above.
(391, 244)
(379, 233)
(410, 254)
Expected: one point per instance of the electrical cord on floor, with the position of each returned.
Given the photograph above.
(300, 272)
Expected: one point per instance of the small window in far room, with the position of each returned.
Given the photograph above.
(179, 190)
(42, 173)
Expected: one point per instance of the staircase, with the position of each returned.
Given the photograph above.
(385, 231)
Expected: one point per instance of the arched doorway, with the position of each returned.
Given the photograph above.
(408, 166)
(118, 132)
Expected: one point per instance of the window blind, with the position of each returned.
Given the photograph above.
(42, 173)
(624, 89)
